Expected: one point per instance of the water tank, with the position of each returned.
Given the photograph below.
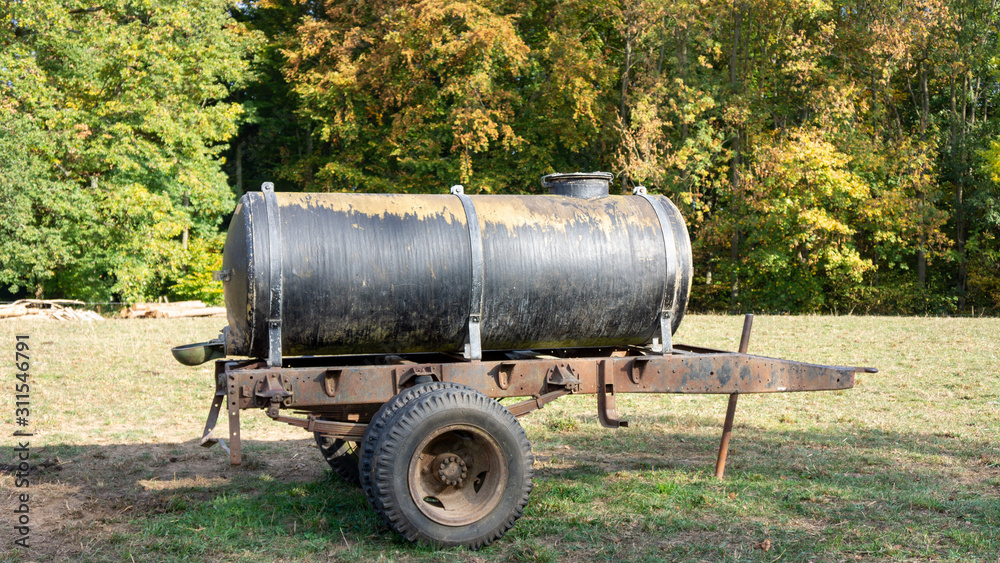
(348, 273)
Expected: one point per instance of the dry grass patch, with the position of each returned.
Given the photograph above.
(905, 466)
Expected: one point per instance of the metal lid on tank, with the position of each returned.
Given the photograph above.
(586, 185)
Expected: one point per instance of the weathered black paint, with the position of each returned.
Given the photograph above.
(374, 273)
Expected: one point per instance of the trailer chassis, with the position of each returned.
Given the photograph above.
(337, 395)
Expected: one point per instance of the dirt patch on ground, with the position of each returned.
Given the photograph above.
(81, 496)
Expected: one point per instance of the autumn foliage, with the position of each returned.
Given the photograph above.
(827, 156)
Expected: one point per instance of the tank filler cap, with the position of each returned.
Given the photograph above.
(586, 185)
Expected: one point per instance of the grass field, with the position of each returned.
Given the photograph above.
(904, 467)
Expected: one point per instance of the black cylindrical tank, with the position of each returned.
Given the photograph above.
(344, 273)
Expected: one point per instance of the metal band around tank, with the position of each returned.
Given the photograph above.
(473, 346)
(670, 257)
(274, 275)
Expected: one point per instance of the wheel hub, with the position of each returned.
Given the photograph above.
(457, 476)
(450, 469)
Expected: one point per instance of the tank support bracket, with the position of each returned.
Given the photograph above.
(473, 340)
(274, 275)
(664, 344)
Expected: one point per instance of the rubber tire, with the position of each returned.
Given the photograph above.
(342, 457)
(397, 446)
(378, 423)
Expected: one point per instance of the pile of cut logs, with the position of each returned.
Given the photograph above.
(172, 310)
(60, 309)
(47, 309)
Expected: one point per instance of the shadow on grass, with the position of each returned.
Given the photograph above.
(824, 495)
(636, 496)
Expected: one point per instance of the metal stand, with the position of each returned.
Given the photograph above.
(233, 398)
(727, 427)
(224, 392)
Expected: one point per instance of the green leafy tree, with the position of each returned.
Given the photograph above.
(128, 100)
(36, 238)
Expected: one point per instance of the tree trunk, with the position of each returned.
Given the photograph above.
(682, 65)
(963, 177)
(735, 184)
(663, 46)
(924, 116)
(184, 234)
(239, 168)
(953, 136)
(625, 78)
(309, 157)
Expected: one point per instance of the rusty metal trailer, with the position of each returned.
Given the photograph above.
(338, 398)
(450, 304)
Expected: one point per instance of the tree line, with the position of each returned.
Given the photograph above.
(828, 156)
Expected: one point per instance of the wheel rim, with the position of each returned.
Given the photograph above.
(457, 475)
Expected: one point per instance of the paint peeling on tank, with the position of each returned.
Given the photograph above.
(560, 214)
(421, 207)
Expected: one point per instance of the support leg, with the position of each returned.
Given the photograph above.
(727, 427)
(727, 432)
(207, 439)
(233, 404)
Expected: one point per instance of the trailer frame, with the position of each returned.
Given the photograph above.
(337, 395)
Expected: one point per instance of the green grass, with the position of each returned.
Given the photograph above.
(904, 467)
